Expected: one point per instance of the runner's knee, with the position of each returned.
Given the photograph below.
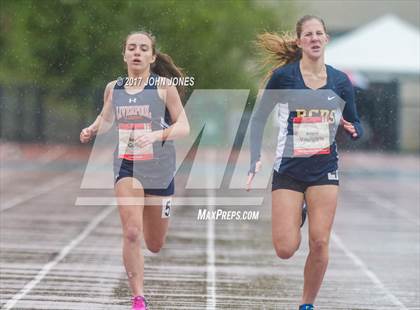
(285, 250)
(154, 246)
(319, 247)
(132, 234)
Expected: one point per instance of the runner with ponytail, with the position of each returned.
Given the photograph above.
(310, 96)
(148, 116)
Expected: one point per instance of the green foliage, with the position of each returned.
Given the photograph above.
(71, 46)
(70, 49)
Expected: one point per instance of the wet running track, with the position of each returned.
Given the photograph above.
(55, 254)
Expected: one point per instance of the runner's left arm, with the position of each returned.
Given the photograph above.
(180, 126)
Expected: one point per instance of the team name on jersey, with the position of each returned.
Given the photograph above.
(133, 111)
(325, 114)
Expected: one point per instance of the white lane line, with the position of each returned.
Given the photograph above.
(38, 190)
(374, 198)
(211, 268)
(392, 207)
(63, 253)
(370, 274)
(42, 160)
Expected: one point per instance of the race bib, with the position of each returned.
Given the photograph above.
(166, 207)
(311, 135)
(127, 147)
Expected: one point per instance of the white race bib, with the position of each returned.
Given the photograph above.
(127, 147)
(311, 135)
(166, 207)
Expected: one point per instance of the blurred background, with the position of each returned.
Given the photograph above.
(57, 56)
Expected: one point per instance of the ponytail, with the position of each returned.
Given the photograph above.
(164, 66)
(277, 50)
(280, 50)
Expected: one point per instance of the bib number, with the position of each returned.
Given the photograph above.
(311, 135)
(127, 147)
(166, 207)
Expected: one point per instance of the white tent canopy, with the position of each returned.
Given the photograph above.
(387, 45)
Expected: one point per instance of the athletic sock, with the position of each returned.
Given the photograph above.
(306, 307)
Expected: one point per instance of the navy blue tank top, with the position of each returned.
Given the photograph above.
(136, 114)
(298, 107)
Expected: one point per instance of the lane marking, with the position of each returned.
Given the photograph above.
(51, 155)
(211, 268)
(38, 191)
(369, 273)
(380, 202)
(63, 253)
(392, 207)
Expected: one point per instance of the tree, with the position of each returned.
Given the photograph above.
(73, 48)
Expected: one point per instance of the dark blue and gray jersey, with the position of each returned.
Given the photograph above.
(137, 114)
(307, 119)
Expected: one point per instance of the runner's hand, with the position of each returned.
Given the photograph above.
(86, 135)
(252, 174)
(146, 139)
(348, 127)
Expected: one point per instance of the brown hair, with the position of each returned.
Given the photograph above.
(281, 49)
(164, 65)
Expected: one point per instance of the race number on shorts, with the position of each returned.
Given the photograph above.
(166, 207)
(127, 147)
(311, 135)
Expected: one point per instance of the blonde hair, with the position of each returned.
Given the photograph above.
(279, 50)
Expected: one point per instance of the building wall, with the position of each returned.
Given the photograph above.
(410, 114)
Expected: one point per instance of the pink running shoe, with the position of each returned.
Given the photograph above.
(139, 303)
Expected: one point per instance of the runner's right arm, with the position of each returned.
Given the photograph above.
(260, 116)
(104, 120)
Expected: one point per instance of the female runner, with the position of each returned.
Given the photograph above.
(304, 172)
(149, 114)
